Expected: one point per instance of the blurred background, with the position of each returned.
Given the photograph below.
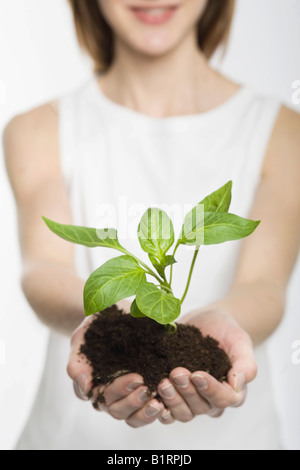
(39, 61)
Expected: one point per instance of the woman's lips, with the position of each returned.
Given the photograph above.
(154, 16)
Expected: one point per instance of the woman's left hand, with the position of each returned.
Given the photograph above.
(187, 394)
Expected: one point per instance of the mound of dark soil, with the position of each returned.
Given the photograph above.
(116, 344)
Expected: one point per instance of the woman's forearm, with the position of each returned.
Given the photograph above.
(258, 308)
(56, 295)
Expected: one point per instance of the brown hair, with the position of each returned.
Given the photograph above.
(96, 36)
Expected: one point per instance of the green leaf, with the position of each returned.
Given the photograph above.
(115, 280)
(169, 260)
(192, 230)
(157, 304)
(218, 227)
(161, 266)
(90, 237)
(218, 201)
(156, 233)
(135, 311)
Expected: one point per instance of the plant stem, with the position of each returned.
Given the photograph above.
(171, 328)
(166, 283)
(171, 269)
(166, 288)
(190, 273)
(144, 265)
(149, 271)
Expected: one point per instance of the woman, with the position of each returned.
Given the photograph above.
(158, 125)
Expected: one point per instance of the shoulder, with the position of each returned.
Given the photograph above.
(30, 142)
(281, 170)
(31, 124)
(284, 145)
(287, 128)
(42, 122)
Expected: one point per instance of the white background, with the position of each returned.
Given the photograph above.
(39, 60)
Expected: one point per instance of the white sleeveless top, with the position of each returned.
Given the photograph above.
(117, 163)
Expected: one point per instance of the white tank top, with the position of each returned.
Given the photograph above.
(117, 163)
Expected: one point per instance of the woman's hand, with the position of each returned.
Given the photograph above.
(186, 395)
(125, 399)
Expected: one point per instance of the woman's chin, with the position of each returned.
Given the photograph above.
(154, 45)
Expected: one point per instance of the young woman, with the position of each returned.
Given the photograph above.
(160, 112)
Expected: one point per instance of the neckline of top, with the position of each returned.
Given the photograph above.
(129, 115)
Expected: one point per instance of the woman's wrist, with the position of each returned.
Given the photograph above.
(256, 307)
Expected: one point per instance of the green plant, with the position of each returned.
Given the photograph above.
(208, 223)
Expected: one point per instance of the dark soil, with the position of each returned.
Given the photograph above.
(117, 343)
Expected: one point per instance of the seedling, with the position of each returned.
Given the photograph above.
(208, 223)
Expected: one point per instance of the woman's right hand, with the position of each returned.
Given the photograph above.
(126, 398)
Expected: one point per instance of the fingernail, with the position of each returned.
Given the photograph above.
(239, 382)
(200, 382)
(168, 391)
(181, 380)
(134, 385)
(166, 415)
(152, 411)
(144, 395)
(81, 386)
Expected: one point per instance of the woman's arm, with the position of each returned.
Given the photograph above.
(49, 280)
(257, 297)
(255, 304)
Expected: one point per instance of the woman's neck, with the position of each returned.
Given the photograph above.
(178, 83)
